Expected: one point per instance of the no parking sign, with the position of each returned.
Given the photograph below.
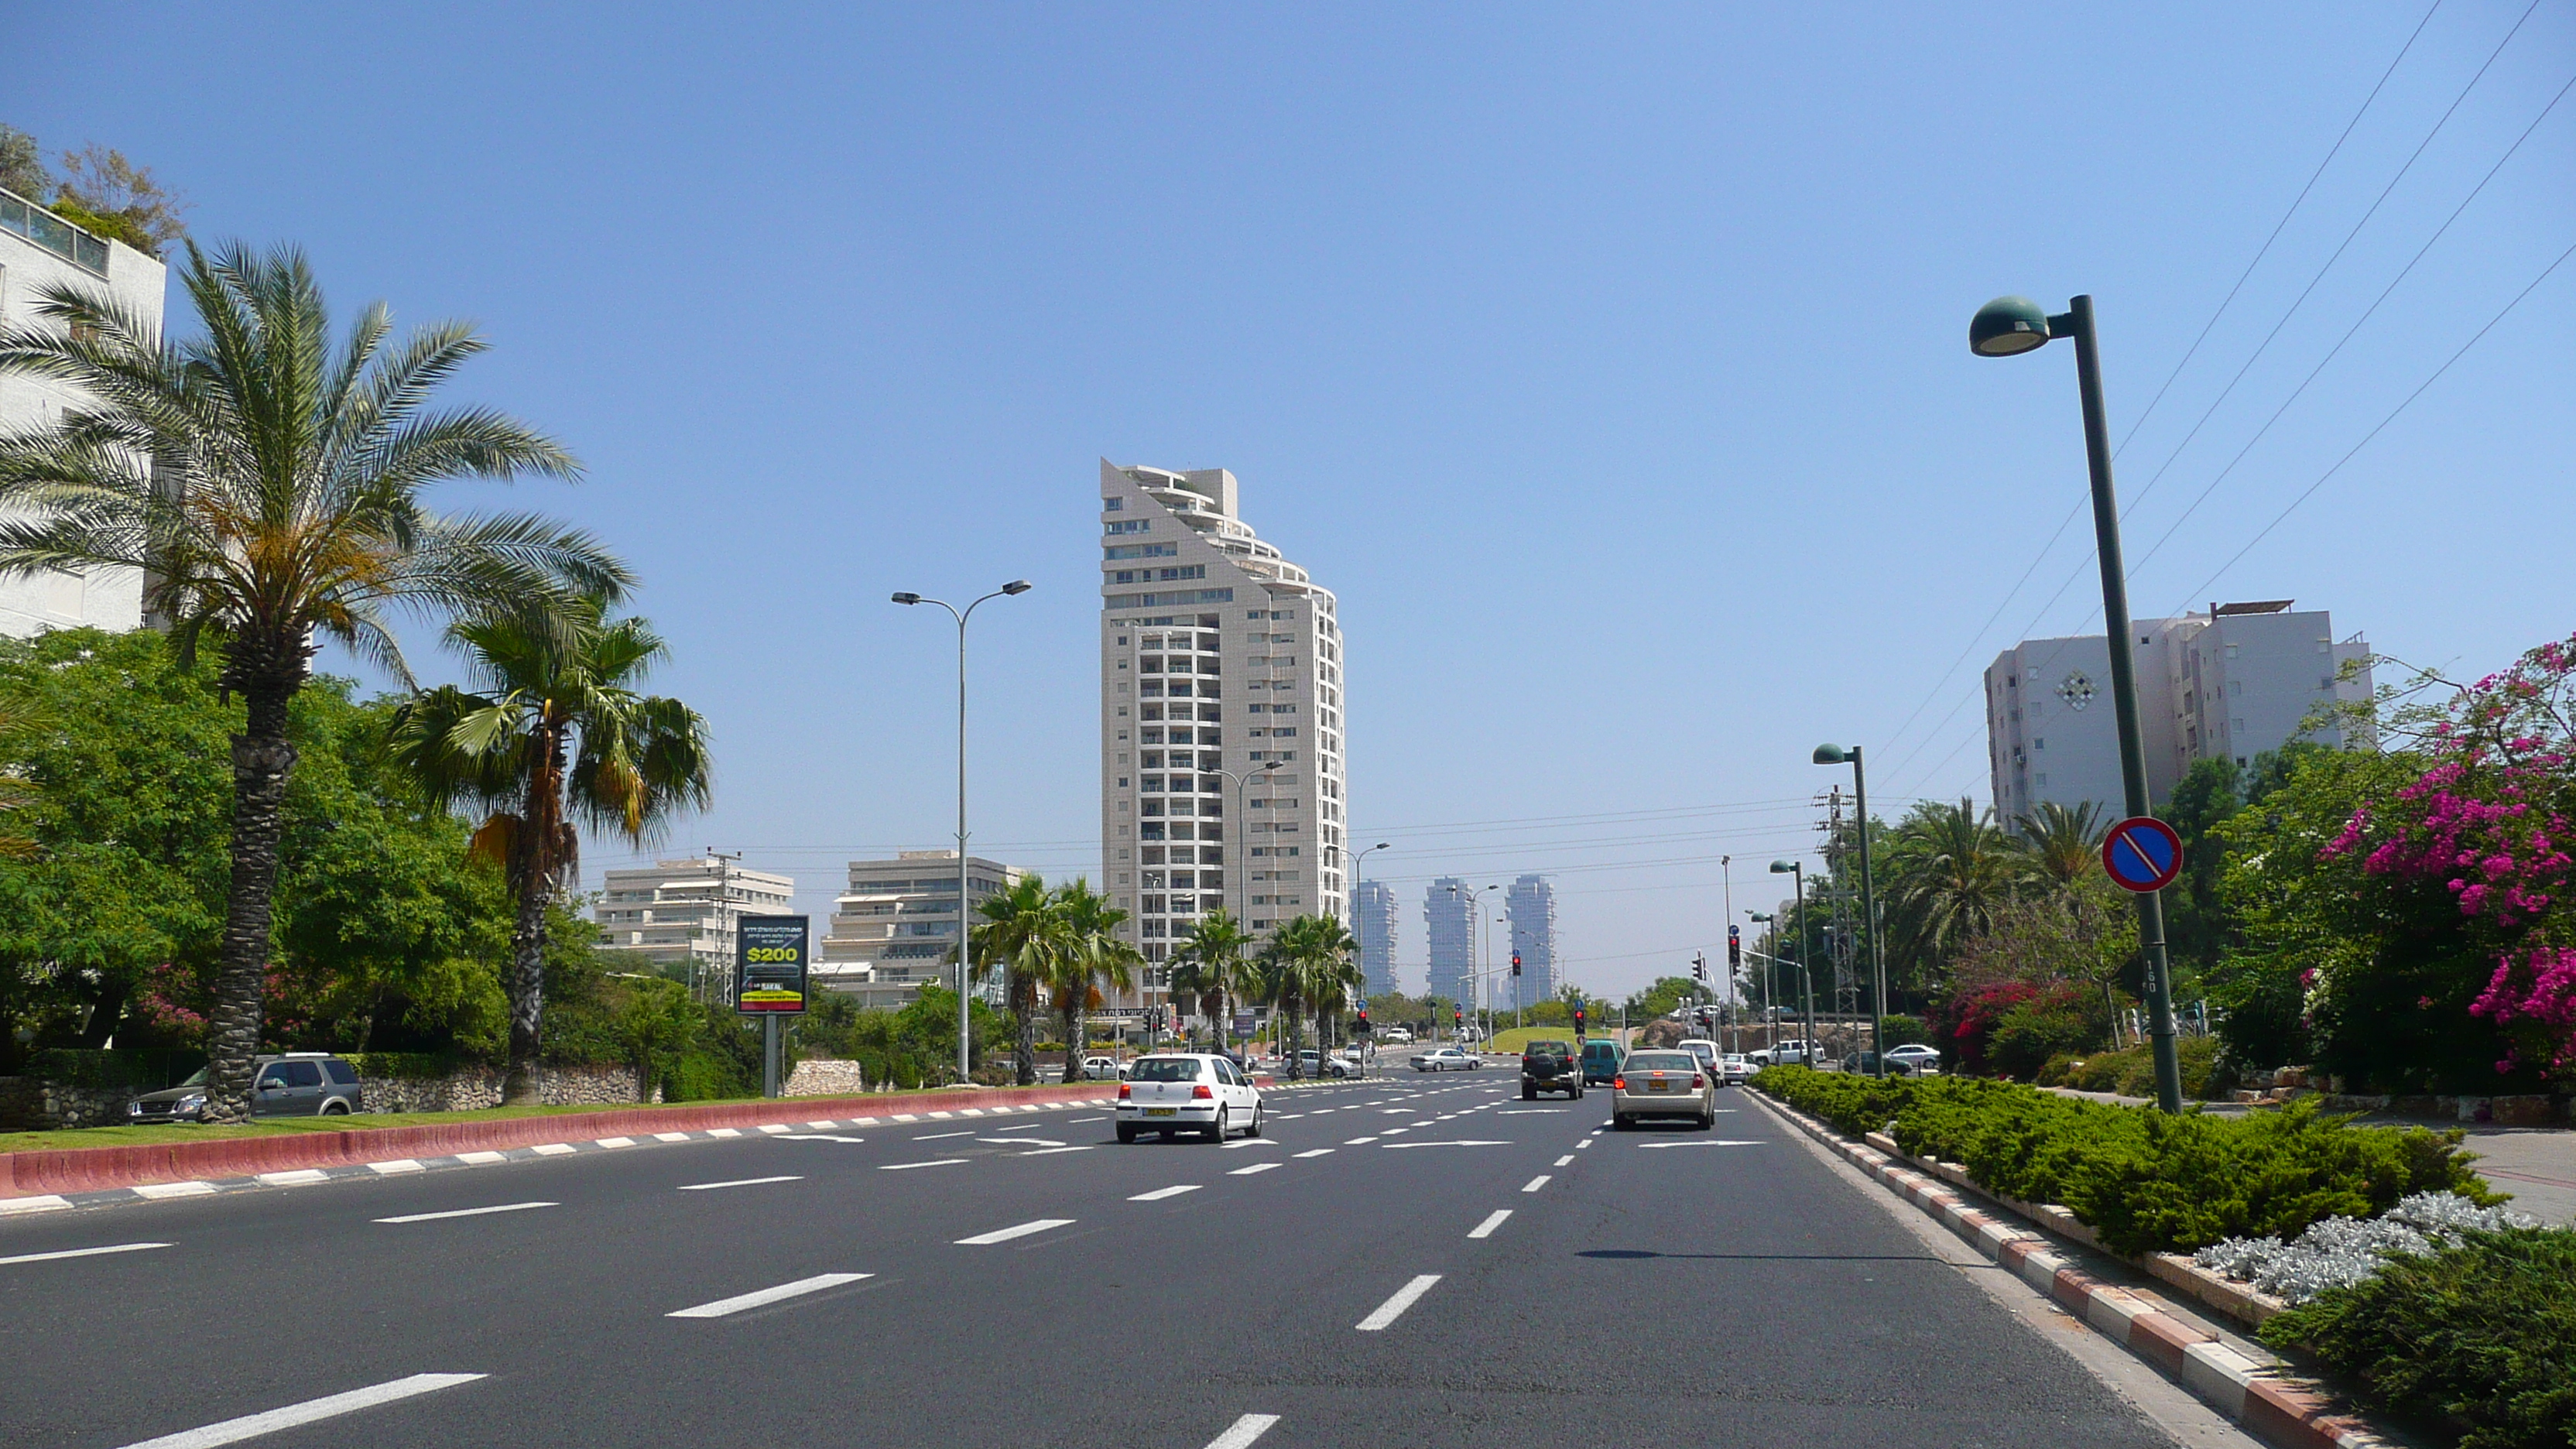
(2142, 854)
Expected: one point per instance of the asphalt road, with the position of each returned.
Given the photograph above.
(1426, 1260)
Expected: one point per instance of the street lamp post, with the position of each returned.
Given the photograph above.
(1770, 1027)
(1797, 872)
(965, 1036)
(1835, 755)
(2006, 327)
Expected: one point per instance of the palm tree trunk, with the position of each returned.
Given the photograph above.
(262, 758)
(1024, 1030)
(534, 867)
(1070, 1015)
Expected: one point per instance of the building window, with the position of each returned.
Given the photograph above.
(1128, 525)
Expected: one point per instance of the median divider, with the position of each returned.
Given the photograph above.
(94, 1169)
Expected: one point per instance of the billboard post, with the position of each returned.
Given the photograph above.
(769, 980)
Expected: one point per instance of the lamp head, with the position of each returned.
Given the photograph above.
(1018, 586)
(1381, 845)
(1764, 916)
(907, 598)
(1833, 755)
(2006, 326)
(1783, 867)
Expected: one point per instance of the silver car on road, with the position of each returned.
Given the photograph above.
(1662, 1084)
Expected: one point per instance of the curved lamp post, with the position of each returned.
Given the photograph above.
(965, 1037)
(1835, 755)
(2005, 327)
(1797, 873)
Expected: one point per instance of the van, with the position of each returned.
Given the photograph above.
(1601, 1059)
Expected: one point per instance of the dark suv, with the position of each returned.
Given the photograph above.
(298, 1084)
(1550, 1066)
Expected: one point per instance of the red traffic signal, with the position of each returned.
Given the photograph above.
(1516, 963)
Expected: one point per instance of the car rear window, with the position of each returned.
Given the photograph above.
(1547, 1049)
(1165, 1069)
(1662, 1062)
(1600, 1049)
(340, 1073)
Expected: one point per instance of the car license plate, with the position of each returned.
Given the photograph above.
(1659, 1086)
(1162, 1111)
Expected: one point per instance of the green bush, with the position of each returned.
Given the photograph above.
(2143, 1180)
(403, 1066)
(2131, 1072)
(2476, 1343)
(701, 1075)
(145, 1068)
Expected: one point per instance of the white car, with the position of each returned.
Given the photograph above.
(1920, 1058)
(1170, 1092)
(1396, 1036)
(1734, 1068)
(1445, 1059)
(1101, 1068)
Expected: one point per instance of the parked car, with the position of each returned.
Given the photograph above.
(1792, 1051)
(1601, 1058)
(297, 1084)
(1866, 1064)
(1550, 1066)
(1396, 1036)
(1100, 1068)
(1921, 1058)
(1662, 1084)
(1174, 1091)
(1347, 1063)
(1445, 1059)
(1734, 1067)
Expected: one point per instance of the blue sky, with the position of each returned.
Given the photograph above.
(1608, 362)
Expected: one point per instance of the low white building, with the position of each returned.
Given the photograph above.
(39, 251)
(892, 930)
(680, 916)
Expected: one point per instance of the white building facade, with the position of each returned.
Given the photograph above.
(1449, 919)
(680, 915)
(1530, 909)
(2233, 683)
(1373, 923)
(38, 251)
(892, 930)
(1217, 656)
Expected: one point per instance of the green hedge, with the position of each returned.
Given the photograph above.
(2132, 1072)
(145, 1068)
(403, 1066)
(2476, 1343)
(2144, 1181)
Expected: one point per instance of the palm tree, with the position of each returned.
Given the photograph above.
(1949, 870)
(267, 486)
(1024, 935)
(1306, 965)
(559, 735)
(2062, 845)
(1211, 966)
(1334, 971)
(1094, 957)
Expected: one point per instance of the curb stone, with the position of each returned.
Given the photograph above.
(390, 1167)
(2260, 1396)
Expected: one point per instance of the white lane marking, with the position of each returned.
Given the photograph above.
(1393, 1308)
(1579, 1146)
(1706, 1142)
(397, 1165)
(251, 1426)
(552, 1149)
(1004, 1235)
(1535, 1183)
(1243, 1431)
(934, 1162)
(670, 1136)
(819, 1137)
(1256, 1167)
(1359, 1142)
(1021, 1141)
(974, 1112)
(174, 1189)
(1242, 1142)
(1532, 1111)
(1078, 1121)
(935, 1136)
(1566, 1161)
(485, 1159)
(905, 1117)
(724, 1132)
(614, 1142)
(1395, 1131)
(80, 1253)
(822, 1126)
(1327, 1151)
(942, 1116)
(1492, 1221)
(1462, 1142)
(766, 1296)
(1052, 1151)
(773, 1129)
(507, 1207)
(737, 1182)
(1160, 1193)
(296, 1178)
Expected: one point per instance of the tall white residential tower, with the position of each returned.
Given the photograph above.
(1530, 908)
(1449, 919)
(1216, 654)
(1373, 922)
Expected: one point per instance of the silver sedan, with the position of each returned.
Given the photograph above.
(1662, 1084)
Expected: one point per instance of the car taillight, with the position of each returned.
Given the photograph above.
(1124, 1092)
(1201, 1092)
(1618, 1084)
(1697, 1082)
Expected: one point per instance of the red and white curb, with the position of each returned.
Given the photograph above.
(2280, 1411)
(163, 1191)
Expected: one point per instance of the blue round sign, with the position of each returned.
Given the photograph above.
(2142, 854)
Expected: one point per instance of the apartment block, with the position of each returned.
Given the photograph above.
(1373, 923)
(1449, 920)
(38, 251)
(1530, 909)
(893, 929)
(679, 916)
(2232, 683)
(1221, 778)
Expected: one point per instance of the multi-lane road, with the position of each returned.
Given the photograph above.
(1421, 1261)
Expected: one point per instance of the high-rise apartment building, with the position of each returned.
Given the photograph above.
(892, 930)
(1449, 918)
(39, 250)
(1373, 922)
(680, 914)
(1530, 907)
(1218, 658)
(2232, 683)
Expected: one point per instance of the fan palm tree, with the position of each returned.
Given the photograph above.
(1023, 935)
(267, 486)
(2062, 845)
(1211, 966)
(559, 736)
(1950, 870)
(1306, 964)
(1334, 973)
(1094, 957)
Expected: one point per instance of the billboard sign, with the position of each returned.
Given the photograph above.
(769, 965)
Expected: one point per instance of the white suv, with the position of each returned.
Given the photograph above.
(1170, 1091)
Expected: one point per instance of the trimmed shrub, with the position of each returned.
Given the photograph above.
(403, 1066)
(146, 1068)
(2475, 1343)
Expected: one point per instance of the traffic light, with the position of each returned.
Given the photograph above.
(1734, 949)
(1578, 1022)
(1699, 967)
(1516, 963)
(1457, 1016)
(1363, 1027)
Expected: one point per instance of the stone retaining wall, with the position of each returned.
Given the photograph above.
(821, 1077)
(30, 1105)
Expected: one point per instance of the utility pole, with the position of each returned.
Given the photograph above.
(723, 921)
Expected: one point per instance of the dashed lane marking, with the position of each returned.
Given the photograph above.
(1492, 1221)
(1317, 1152)
(1579, 1146)
(762, 1298)
(670, 1136)
(396, 1167)
(1243, 1431)
(1535, 1183)
(820, 1137)
(1359, 1142)
(311, 1411)
(737, 1182)
(1392, 1309)
(554, 1149)
(1160, 1193)
(481, 1158)
(616, 1141)
(934, 1162)
(1021, 1141)
(80, 1253)
(1052, 1151)
(1022, 1230)
(296, 1178)
(935, 1136)
(1706, 1142)
(1256, 1167)
(1566, 1161)
(1461, 1142)
(724, 1132)
(507, 1207)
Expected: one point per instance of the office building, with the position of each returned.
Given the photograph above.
(2231, 683)
(1217, 656)
(1373, 923)
(39, 251)
(894, 928)
(679, 916)
(1449, 918)
(1530, 908)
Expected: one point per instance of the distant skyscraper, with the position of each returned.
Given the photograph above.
(1530, 906)
(1449, 925)
(1373, 921)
